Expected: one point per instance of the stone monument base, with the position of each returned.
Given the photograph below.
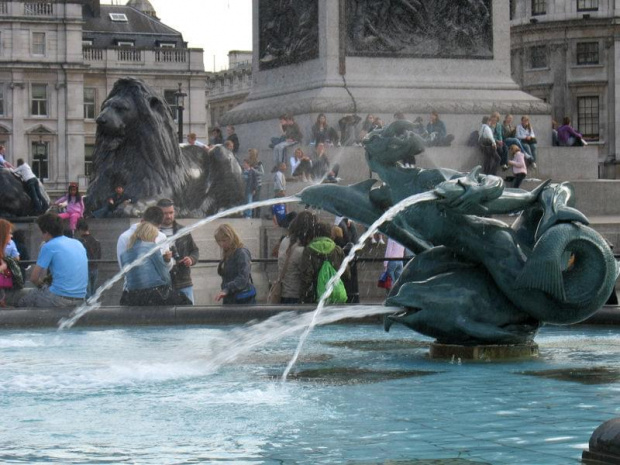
(483, 352)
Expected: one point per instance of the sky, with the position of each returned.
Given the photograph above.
(217, 26)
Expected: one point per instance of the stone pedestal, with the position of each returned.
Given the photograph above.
(348, 66)
(483, 353)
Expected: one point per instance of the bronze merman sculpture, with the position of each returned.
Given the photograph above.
(474, 279)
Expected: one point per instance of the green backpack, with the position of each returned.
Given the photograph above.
(339, 294)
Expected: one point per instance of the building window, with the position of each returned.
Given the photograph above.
(89, 150)
(539, 7)
(538, 57)
(512, 9)
(87, 42)
(167, 45)
(38, 43)
(587, 5)
(1, 99)
(587, 53)
(90, 104)
(125, 43)
(38, 105)
(588, 114)
(118, 17)
(171, 99)
(40, 159)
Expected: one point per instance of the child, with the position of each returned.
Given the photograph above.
(93, 252)
(279, 211)
(73, 204)
(519, 167)
(279, 180)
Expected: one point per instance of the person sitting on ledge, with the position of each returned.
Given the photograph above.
(115, 204)
(73, 204)
(149, 283)
(323, 132)
(437, 134)
(568, 137)
(67, 263)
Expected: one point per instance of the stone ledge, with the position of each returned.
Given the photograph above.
(13, 318)
(156, 316)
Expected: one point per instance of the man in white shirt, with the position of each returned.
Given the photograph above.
(32, 185)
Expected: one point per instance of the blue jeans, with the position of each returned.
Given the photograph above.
(92, 283)
(279, 151)
(394, 269)
(189, 292)
(530, 149)
(34, 192)
(249, 198)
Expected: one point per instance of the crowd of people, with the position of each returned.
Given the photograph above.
(499, 140)
(66, 270)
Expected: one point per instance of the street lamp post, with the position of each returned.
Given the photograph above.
(180, 100)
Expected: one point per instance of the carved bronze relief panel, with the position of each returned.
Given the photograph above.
(289, 32)
(420, 28)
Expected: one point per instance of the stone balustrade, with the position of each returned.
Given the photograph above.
(176, 59)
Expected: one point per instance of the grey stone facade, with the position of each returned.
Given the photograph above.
(567, 52)
(59, 60)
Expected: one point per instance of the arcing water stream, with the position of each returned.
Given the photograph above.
(279, 326)
(329, 288)
(93, 302)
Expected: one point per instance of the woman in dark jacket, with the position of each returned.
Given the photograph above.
(319, 247)
(235, 268)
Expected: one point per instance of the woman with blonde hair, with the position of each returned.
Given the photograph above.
(10, 274)
(148, 283)
(235, 268)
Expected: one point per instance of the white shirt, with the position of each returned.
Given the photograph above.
(25, 172)
(486, 134)
(522, 133)
(123, 241)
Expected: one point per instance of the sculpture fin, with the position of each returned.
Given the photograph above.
(544, 274)
(363, 186)
(538, 189)
(559, 214)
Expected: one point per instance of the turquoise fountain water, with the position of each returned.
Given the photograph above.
(356, 395)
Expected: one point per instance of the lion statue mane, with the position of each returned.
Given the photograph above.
(136, 141)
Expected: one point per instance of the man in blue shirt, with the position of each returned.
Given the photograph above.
(65, 259)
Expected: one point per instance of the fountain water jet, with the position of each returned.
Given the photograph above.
(93, 303)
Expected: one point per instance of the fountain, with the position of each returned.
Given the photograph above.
(355, 394)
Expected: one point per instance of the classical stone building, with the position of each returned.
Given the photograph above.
(228, 88)
(566, 52)
(58, 61)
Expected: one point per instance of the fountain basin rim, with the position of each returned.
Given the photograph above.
(16, 318)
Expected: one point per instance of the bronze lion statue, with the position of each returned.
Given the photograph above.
(136, 141)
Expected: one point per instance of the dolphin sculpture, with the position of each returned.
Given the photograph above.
(474, 279)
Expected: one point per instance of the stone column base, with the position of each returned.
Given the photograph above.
(483, 352)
